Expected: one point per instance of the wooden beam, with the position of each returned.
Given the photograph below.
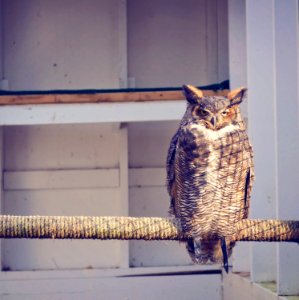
(100, 97)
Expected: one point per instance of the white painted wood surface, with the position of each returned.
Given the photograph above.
(154, 201)
(237, 43)
(238, 78)
(147, 177)
(223, 40)
(74, 147)
(158, 32)
(1, 43)
(239, 286)
(144, 287)
(122, 32)
(287, 117)
(91, 113)
(262, 127)
(102, 273)
(58, 170)
(61, 179)
(148, 145)
(71, 45)
(83, 45)
(61, 254)
(1, 183)
(124, 188)
(210, 17)
(149, 142)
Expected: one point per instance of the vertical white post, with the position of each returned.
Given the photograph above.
(222, 31)
(262, 127)
(122, 40)
(4, 84)
(1, 40)
(237, 43)
(286, 58)
(238, 78)
(124, 188)
(1, 186)
(211, 41)
(123, 159)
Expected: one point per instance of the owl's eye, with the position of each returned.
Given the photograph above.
(225, 112)
(202, 112)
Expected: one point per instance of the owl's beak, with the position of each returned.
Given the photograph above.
(214, 121)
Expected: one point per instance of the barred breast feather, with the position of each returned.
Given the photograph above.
(209, 178)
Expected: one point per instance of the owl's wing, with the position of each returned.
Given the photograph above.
(248, 184)
(170, 168)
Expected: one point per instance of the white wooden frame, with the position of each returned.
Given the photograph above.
(91, 113)
(270, 49)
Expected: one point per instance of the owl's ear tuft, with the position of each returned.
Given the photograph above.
(192, 93)
(236, 96)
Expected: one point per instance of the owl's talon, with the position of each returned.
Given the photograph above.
(224, 253)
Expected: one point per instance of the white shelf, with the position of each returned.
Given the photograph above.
(91, 113)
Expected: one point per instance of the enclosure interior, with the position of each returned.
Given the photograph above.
(81, 169)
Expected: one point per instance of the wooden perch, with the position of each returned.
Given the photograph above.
(125, 228)
(53, 98)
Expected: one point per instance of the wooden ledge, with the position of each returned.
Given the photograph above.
(72, 98)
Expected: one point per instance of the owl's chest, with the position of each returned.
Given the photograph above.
(202, 149)
(212, 167)
(211, 172)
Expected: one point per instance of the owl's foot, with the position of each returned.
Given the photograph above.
(197, 251)
(224, 253)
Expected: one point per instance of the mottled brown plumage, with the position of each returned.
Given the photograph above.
(210, 173)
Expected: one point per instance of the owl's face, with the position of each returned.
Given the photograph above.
(213, 112)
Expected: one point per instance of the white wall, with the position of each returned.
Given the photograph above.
(172, 42)
(148, 145)
(61, 152)
(61, 44)
(265, 34)
(81, 44)
(1, 39)
(72, 44)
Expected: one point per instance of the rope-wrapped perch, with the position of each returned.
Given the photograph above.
(134, 228)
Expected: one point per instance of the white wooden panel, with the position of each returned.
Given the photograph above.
(261, 113)
(61, 179)
(286, 59)
(142, 177)
(211, 19)
(80, 202)
(148, 145)
(105, 273)
(222, 34)
(124, 188)
(91, 113)
(1, 182)
(1, 43)
(237, 43)
(167, 42)
(238, 286)
(58, 254)
(61, 147)
(237, 47)
(61, 44)
(154, 201)
(197, 287)
(122, 44)
(149, 142)
(238, 77)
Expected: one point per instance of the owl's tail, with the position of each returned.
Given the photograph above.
(210, 251)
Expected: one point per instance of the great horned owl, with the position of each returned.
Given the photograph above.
(210, 173)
